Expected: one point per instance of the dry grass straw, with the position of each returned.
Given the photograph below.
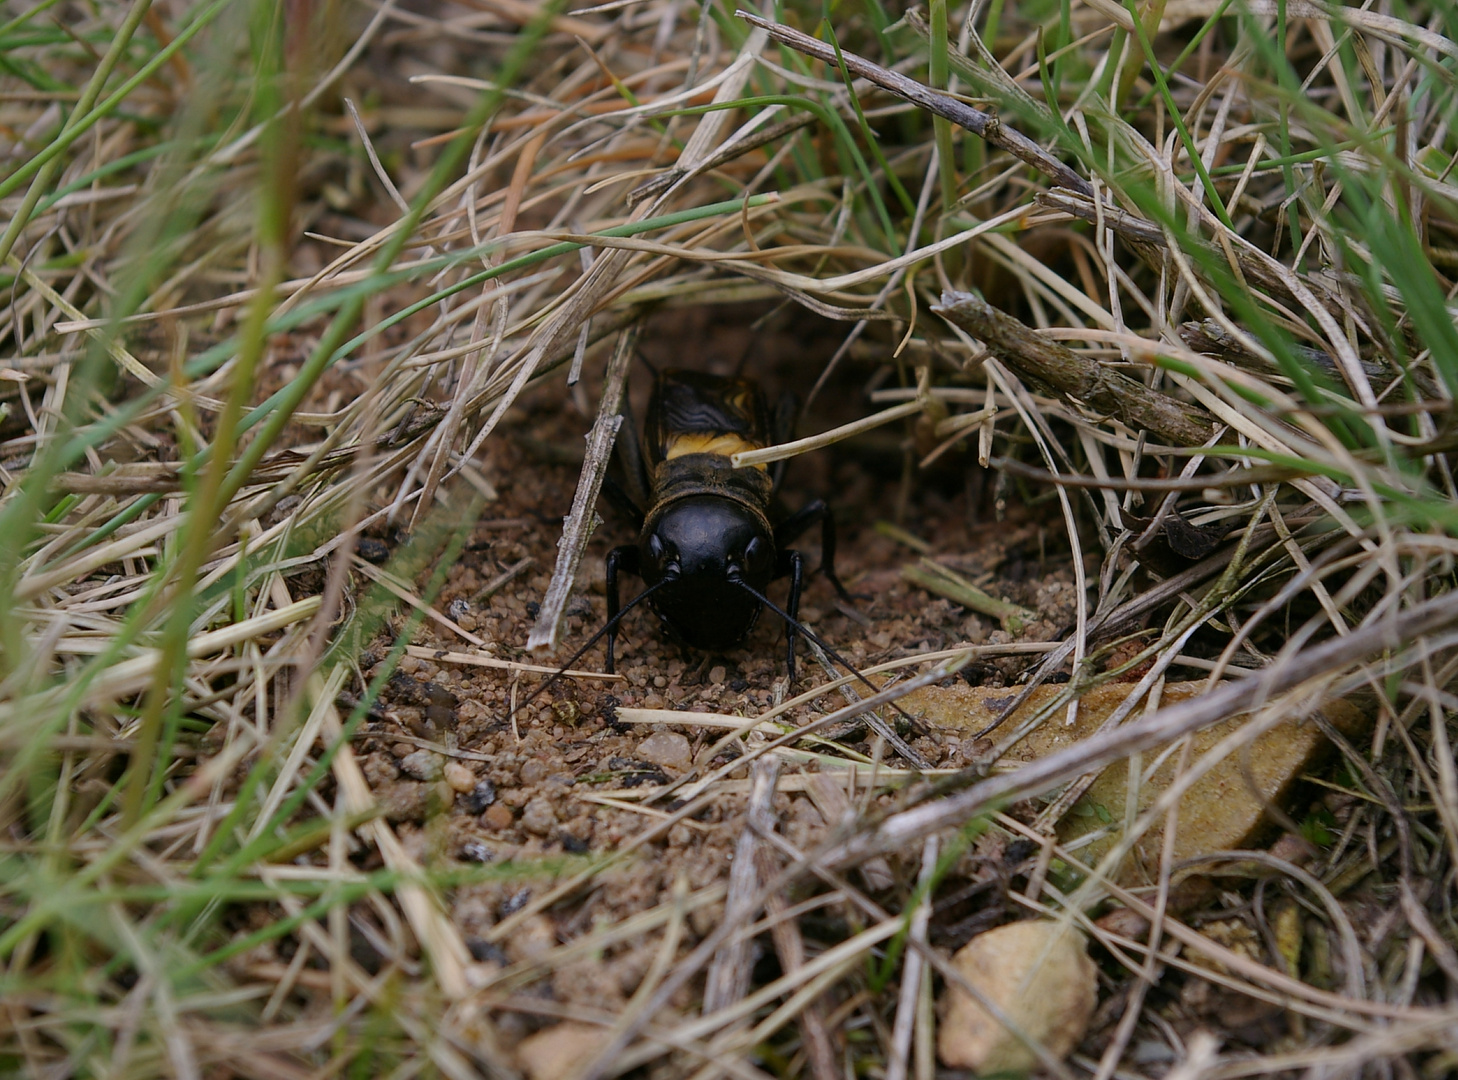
(1244, 354)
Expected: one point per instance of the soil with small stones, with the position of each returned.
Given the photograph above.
(514, 789)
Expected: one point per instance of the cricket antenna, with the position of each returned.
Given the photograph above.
(800, 627)
(607, 628)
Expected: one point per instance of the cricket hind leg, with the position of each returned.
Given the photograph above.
(623, 558)
(782, 430)
(797, 523)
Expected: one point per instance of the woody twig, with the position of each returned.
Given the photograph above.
(982, 124)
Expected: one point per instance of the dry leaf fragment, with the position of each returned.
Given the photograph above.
(1219, 812)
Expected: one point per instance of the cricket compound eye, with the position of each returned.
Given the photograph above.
(758, 558)
(663, 555)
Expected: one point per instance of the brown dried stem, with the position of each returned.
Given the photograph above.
(982, 124)
(1083, 383)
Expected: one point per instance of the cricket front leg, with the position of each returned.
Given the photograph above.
(797, 523)
(623, 558)
(793, 564)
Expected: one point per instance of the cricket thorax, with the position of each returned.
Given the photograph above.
(687, 475)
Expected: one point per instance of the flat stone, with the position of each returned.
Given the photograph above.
(1218, 813)
(1038, 974)
(667, 749)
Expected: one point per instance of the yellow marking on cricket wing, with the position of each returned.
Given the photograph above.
(695, 443)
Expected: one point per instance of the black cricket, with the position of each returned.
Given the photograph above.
(707, 547)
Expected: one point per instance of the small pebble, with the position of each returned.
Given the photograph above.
(487, 952)
(515, 902)
(372, 550)
(497, 817)
(717, 674)
(422, 765)
(459, 776)
(482, 795)
(440, 717)
(562, 1050)
(404, 800)
(668, 749)
(380, 769)
(476, 851)
(533, 938)
(285, 506)
(539, 817)
(1039, 974)
(533, 771)
(1149, 1052)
